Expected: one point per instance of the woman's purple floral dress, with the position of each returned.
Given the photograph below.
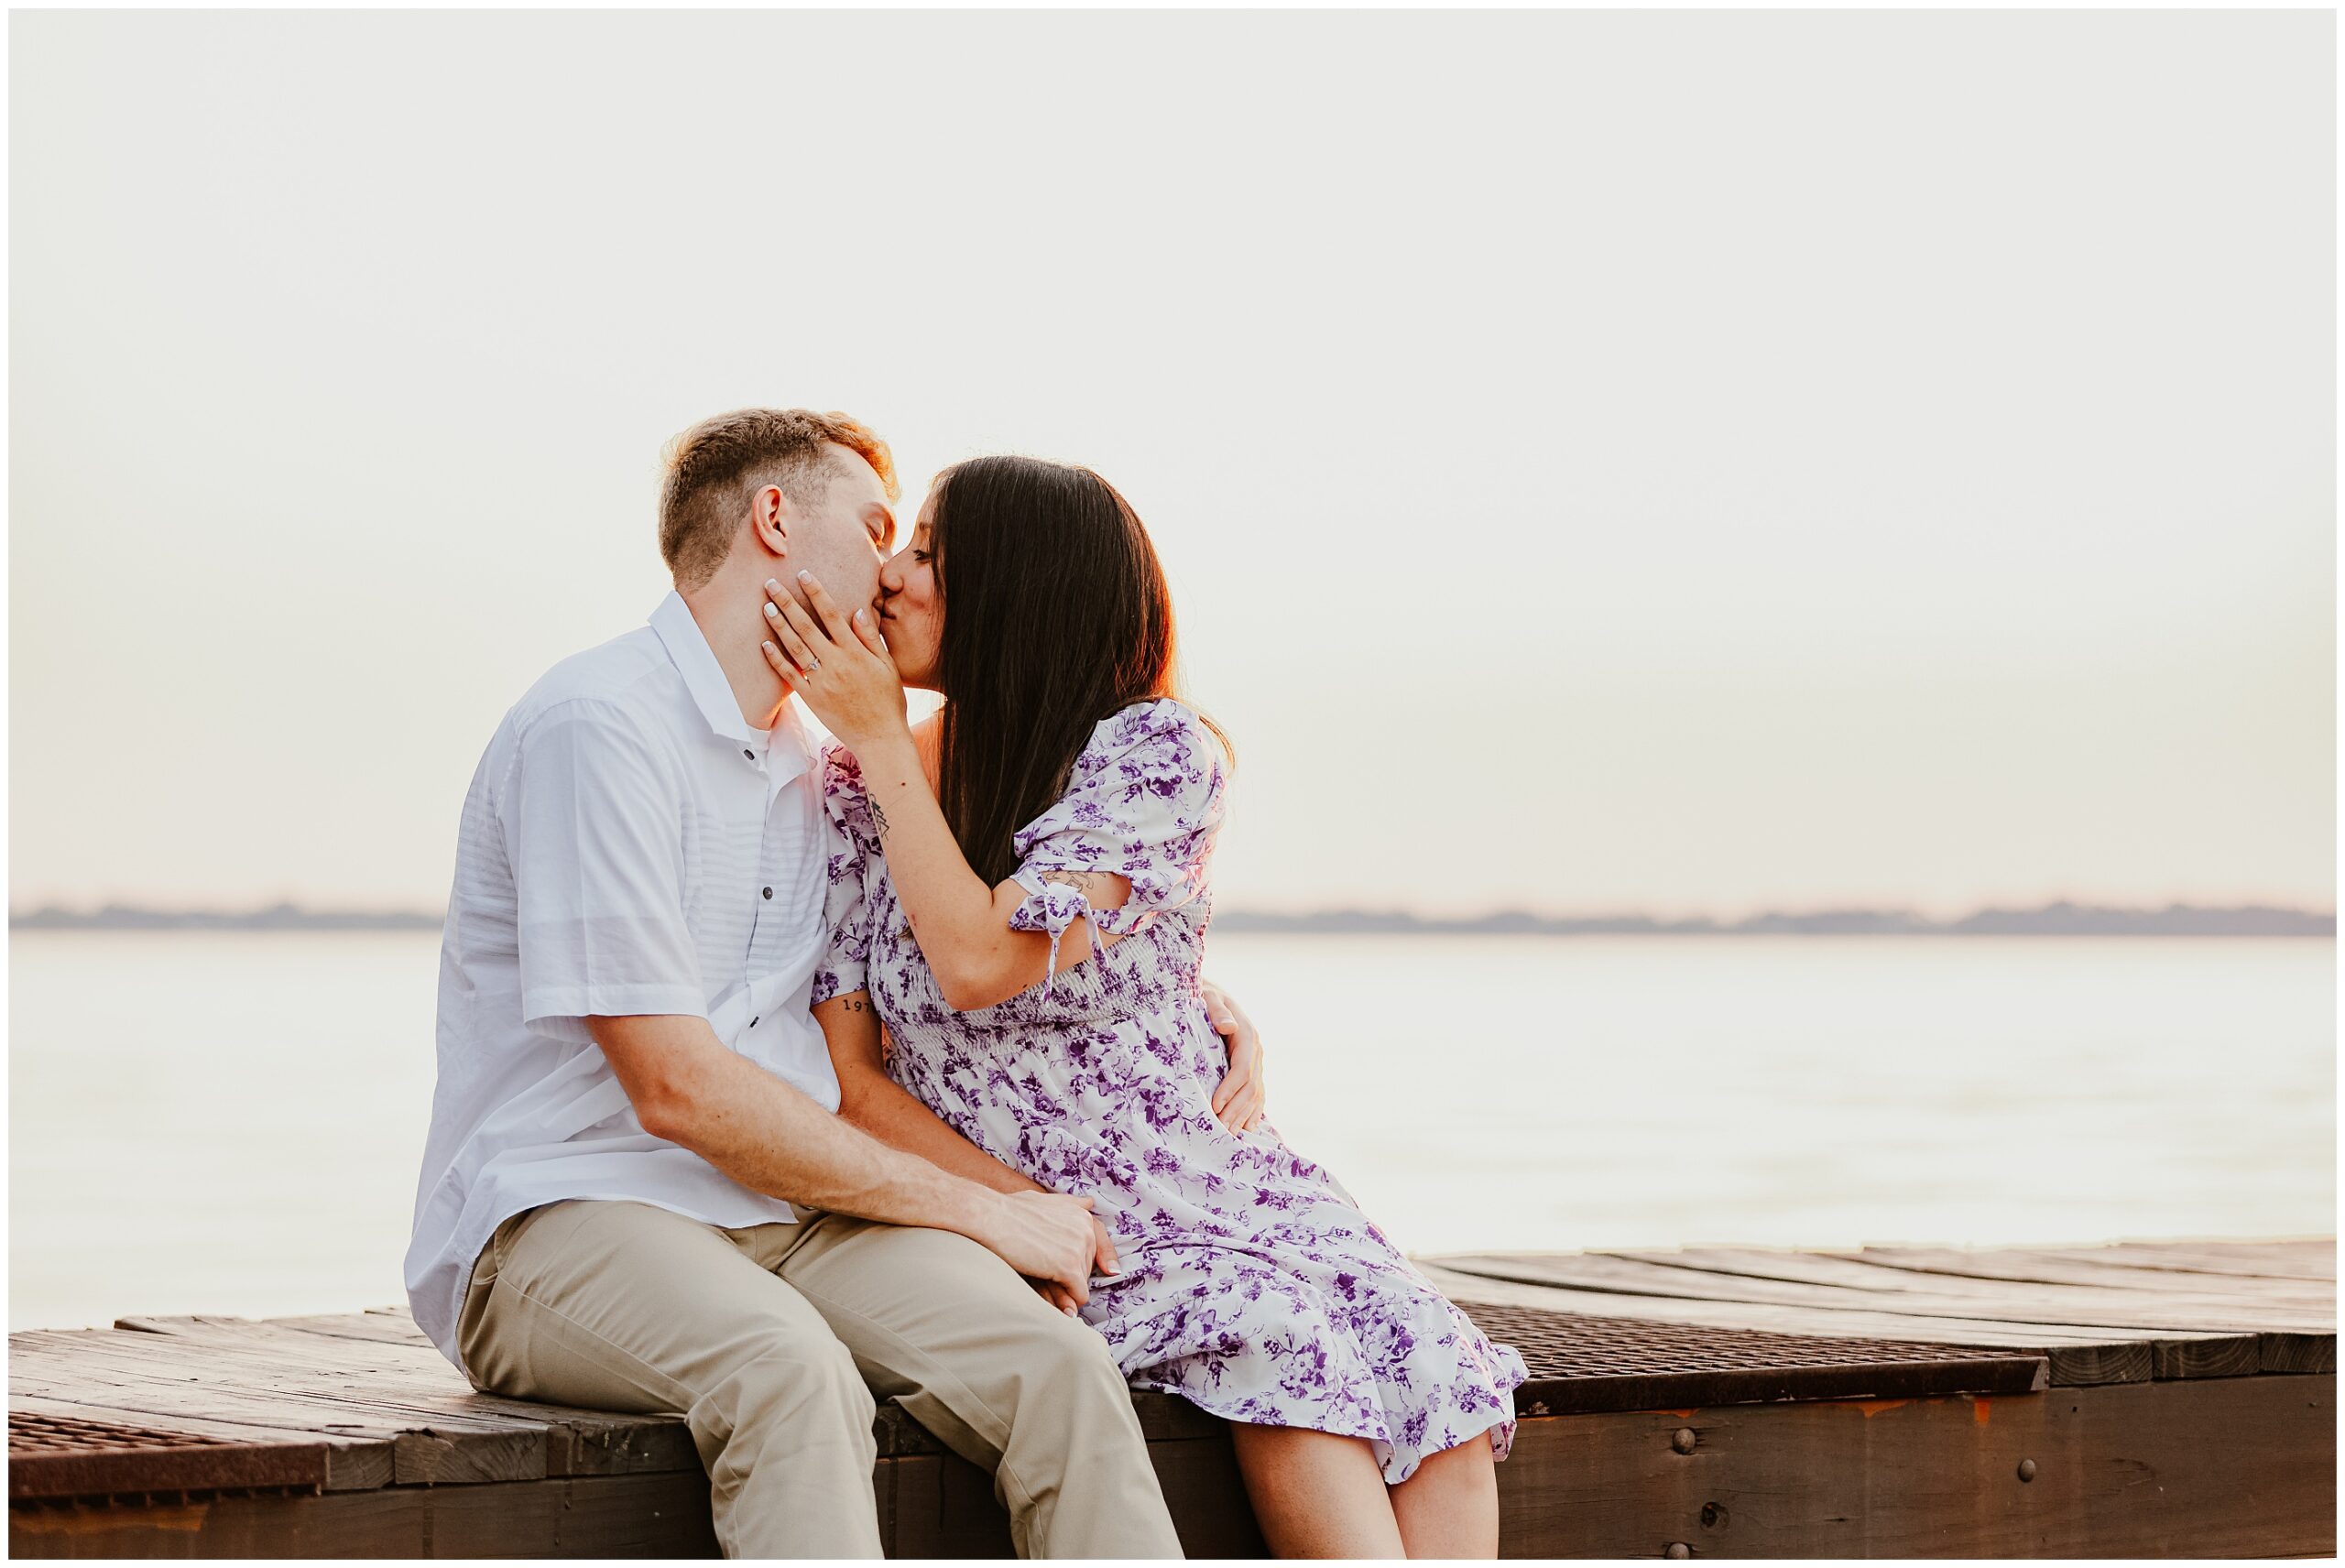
(1252, 1284)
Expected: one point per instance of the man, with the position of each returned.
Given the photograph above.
(632, 1095)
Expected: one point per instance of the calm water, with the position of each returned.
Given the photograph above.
(230, 1123)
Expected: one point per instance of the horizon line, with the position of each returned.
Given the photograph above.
(2060, 916)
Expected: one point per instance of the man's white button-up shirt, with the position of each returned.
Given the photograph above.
(630, 844)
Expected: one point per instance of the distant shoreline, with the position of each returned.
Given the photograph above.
(2049, 920)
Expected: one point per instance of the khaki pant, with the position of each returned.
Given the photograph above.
(763, 1339)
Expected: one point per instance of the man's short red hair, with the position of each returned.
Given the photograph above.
(715, 466)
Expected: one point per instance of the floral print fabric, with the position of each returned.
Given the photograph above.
(1250, 1283)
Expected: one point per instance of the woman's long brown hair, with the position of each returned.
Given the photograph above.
(1056, 616)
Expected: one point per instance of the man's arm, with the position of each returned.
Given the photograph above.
(871, 1100)
(687, 1088)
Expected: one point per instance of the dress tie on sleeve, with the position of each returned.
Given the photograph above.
(1051, 907)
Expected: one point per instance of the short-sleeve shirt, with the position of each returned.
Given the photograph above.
(630, 844)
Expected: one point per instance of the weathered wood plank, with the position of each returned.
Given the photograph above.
(79, 1455)
(1168, 1417)
(1207, 1498)
(2073, 1307)
(1580, 1363)
(352, 1463)
(2077, 1357)
(579, 1441)
(2302, 1261)
(445, 1432)
(2299, 1353)
(383, 1372)
(437, 1459)
(91, 1372)
(941, 1506)
(367, 1385)
(2047, 1303)
(2070, 1268)
(592, 1516)
(473, 1437)
(2212, 1467)
(324, 1401)
(2174, 1337)
(388, 1325)
(105, 1388)
(2001, 1277)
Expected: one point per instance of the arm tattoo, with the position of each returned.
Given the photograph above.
(878, 819)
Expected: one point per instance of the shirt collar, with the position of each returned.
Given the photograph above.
(785, 748)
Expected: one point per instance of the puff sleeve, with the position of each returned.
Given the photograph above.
(1144, 801)
(852, 851)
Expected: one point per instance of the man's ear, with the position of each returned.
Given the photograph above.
(771, 519)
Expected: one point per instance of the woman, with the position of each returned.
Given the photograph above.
(1021, 901)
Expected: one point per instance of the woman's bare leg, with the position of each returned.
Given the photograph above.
(1449, 1505)
(1315, 1494)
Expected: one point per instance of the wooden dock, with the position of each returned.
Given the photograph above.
(2144, 1400)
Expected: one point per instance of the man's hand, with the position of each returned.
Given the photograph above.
(1047, 1236)
(1238, 1099)
(1103, 1261)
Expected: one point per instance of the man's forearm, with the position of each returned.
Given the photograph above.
(890, 1112)
(687, 1088)
(772, 1138)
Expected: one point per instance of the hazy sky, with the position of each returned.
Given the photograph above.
(1687, 461)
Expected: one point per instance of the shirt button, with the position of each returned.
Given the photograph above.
(753, 1023)
(768, 892)
(747, 753)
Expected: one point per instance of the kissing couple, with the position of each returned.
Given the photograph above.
(773, 1082)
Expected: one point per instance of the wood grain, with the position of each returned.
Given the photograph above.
(2296, 1331)
(2214, 1467)
(592, 1516)
(2012, 1281)
(2313, 1261)
(2162, 1432)
(353, 1464)
(2054, 1268)
(2071, 1307)
(2077, 1357)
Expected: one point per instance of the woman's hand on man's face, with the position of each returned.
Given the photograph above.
(838, 663)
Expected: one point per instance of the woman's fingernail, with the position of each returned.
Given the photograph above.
(863, 617)
(772, 584)
(805, 577)
(770, 610)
